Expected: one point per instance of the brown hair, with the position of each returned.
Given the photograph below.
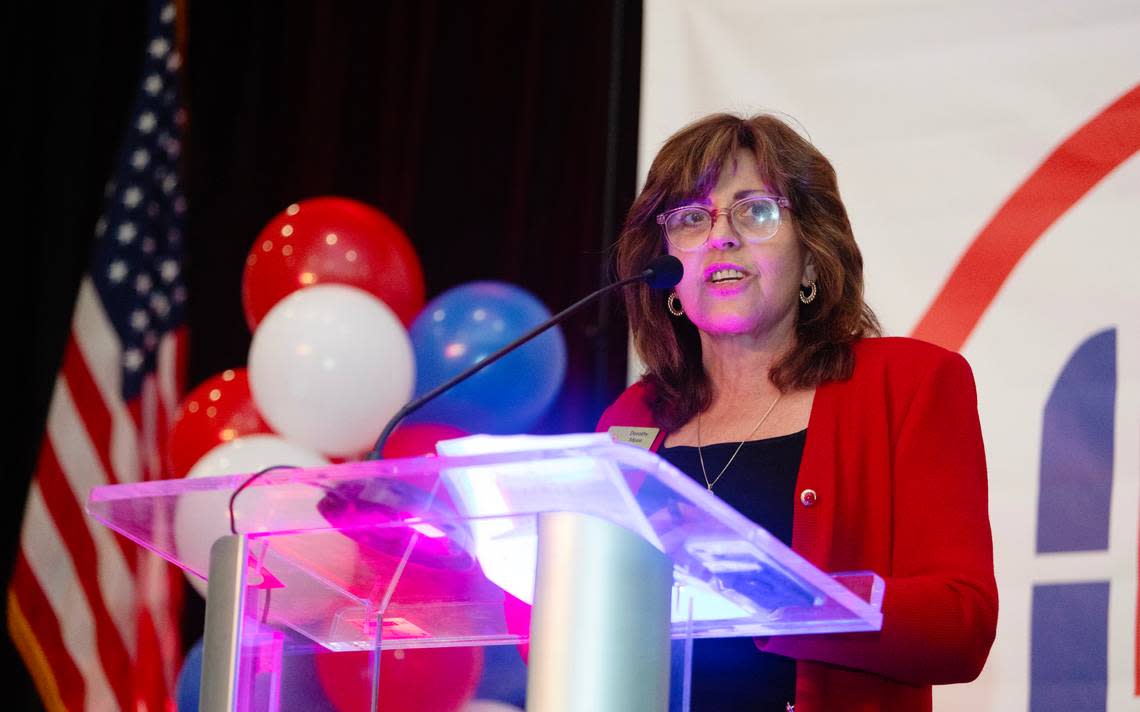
(688, 167)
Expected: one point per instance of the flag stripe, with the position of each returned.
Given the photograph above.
(161, 601)
(149, 428)
(96, 416)
(68, 456)
(72, 526)
(39, 640)
(169, 579)
(103, 357)
(157, 633)
(153, 587)
(149, 680)
(75, 454)
(171, 354)
(48, 561)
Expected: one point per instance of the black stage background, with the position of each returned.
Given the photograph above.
(519, 115)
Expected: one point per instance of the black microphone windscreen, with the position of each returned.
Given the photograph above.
(663, 272)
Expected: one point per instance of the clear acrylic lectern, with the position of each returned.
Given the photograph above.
(595, 553)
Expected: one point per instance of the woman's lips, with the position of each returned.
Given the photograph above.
(723, 279)
(724, 271)
(728, 287)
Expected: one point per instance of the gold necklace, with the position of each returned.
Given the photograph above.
(701, 457)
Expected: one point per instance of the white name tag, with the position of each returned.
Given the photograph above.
(639, 437)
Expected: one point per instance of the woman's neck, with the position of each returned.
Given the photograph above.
(740, 363)
(738, 367)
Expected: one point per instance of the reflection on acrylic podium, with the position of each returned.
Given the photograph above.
(600, 558)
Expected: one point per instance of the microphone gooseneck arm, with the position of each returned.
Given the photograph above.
(662, 273)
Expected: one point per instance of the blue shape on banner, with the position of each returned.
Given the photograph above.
(1069, 647)
(1077, 451)
(463, 326)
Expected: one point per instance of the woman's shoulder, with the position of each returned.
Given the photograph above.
(902, 351)
(630, 408)
(900, 347)
(900, 358)
(893, 372)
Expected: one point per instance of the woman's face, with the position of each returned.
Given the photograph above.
(731, 286)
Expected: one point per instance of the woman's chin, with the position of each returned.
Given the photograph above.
(729, 324)
(763, 326)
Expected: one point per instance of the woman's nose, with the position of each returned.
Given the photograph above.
(721, 235)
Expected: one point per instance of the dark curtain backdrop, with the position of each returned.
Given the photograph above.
(500, 135)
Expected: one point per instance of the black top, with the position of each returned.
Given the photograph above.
(731, 673)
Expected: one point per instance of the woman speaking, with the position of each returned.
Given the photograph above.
(770, 385)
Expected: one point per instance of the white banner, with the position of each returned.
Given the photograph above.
(987, 153)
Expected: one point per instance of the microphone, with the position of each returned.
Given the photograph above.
(662, 272)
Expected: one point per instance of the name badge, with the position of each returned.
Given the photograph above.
(639, 437)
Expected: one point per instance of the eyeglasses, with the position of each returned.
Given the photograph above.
(755, 219)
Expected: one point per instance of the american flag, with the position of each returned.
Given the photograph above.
(95, 617)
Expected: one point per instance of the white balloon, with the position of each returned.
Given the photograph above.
(328, 366)
(202, 517)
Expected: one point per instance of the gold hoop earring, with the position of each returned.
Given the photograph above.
(810, 296)
(674, 305)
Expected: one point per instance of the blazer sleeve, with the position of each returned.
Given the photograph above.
(940, 603)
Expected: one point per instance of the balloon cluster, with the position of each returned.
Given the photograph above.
(333, 293)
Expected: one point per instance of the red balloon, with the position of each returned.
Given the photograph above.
(420, 680)
(216, 412)
(332, 241)
(418, 439)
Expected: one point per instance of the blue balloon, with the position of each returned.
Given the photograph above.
(300, 689)
(466, 324)
(189, 680)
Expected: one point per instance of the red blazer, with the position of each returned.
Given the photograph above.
(894, 455)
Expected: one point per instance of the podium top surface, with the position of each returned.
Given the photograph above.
(441, 550)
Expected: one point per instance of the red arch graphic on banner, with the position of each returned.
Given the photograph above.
(1070, 171)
